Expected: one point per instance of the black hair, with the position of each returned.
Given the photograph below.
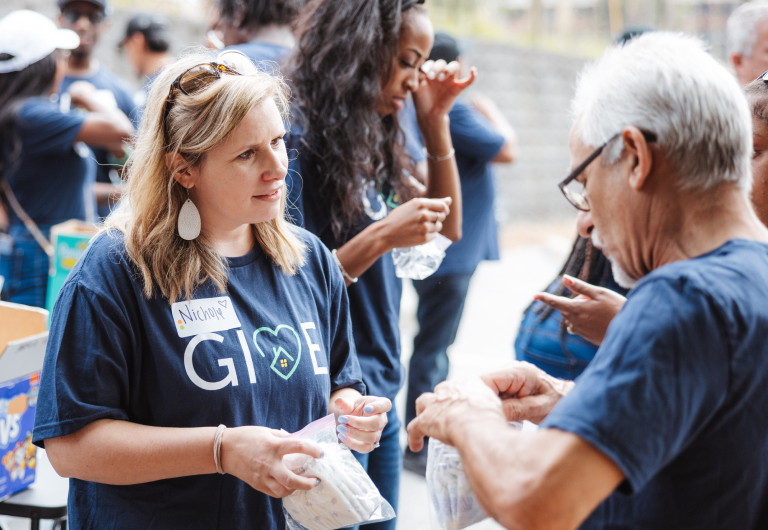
(154, 29)
(344, 55)
(15, 88)
(630, 33)
(257, 13)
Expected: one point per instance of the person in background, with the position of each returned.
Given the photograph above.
(200, 326)
(547, 340)
(88, 18)
(747, 40)
(757, 96)
(665, 428)
(544, 338)
(46, 169)
(146, 45)
(354, 65)
(261, 29)
(481, 136)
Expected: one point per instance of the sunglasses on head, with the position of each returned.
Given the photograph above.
(72, 15)
(200, 76)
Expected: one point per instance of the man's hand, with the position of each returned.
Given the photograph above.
(589, 314)
(526, 391)
(451, 409)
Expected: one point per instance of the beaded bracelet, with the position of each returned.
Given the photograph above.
(442, 158)
(350, 279)
(217, 448)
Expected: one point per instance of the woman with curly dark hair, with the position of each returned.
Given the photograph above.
(355, 65)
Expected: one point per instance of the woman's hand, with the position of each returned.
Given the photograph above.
(415, 222)
(590, 313)
(360, 421)
(439, 87)
(255, 456)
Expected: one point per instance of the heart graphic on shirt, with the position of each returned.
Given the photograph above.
(283, 341)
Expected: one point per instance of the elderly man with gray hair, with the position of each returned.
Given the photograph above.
(667, 426)
(747, 34)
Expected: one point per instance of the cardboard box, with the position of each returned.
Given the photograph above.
(23, 337)
(69, 240)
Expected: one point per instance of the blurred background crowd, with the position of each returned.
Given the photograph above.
(527, 53)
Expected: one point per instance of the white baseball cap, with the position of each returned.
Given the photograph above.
(27, 36)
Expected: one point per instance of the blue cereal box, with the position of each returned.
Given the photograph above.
(23, 337)
(17, 418)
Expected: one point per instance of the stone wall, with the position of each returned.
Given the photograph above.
(533, 89)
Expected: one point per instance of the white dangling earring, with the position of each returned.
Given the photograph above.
(188, 223)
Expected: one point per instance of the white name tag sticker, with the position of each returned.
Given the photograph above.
(206, 315)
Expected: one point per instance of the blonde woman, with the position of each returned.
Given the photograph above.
(199, 308)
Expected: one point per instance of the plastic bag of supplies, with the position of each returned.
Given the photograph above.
(345, 496)
(421, 261)
(454, 506)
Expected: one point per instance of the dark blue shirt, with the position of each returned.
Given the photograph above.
(268, 57)
(268, 352)
(53, 177)
(374, 301)
(676, 396)
(476, 143)
(103, 79)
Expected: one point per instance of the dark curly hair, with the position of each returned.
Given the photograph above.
(258, 13)
(16, 87)
(343, 58)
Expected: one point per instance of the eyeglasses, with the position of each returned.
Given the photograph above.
(764, 77)
(573, 189)
(200, 76)
(72, 15)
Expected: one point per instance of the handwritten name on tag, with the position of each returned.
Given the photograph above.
(206, 315)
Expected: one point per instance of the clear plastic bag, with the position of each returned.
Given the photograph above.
(345, 496)
(420, 261)
(454, 506)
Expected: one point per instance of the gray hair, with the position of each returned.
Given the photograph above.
(740, 29)
(667, 84)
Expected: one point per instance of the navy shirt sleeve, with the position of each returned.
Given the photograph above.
(659, 376)
(44, 129)
(91, 386)
(473, 136)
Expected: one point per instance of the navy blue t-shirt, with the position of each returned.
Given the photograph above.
(374, 301)
(103, 79)
(53, 177)
(676, 396)
(268, 352)
(267, 57)
(476, 143)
